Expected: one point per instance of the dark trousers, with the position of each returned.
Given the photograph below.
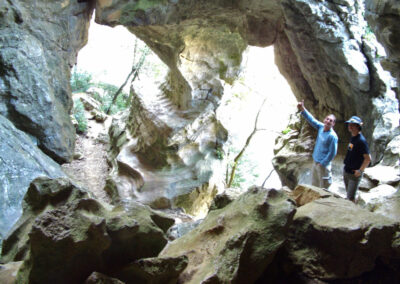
(351, 182)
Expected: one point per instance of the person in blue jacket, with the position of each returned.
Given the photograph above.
(357, 157)
(325, 148)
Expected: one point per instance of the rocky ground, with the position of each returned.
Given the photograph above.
(89, 167)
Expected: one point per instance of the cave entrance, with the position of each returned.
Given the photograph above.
(108, 58)
(259, 80)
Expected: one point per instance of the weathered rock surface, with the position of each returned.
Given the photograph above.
(39, 43)
(8, 272)
(235, 246)
(321, 49)
(43, 194)
(224, 198)
(384, 174)
(384, 18)
(64, 235)
(332, 238)
(180, 229)
(165, 159)
(153, 270)
(304, 194)
(21, 162)
(99, 278)
(293, 151)
(383, 199)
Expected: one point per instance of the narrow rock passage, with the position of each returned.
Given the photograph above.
(90, 168)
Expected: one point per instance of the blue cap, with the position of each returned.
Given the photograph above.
(355, 119)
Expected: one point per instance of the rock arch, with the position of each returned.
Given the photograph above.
(322, 49)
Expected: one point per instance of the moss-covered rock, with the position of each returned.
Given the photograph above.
(64, 234)
(153, 270)
(236, 243)
(332, 238)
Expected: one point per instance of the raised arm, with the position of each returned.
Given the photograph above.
(308, 116)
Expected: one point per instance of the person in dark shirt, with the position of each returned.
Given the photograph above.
(357, 157)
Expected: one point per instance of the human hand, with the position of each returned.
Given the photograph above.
(300, 105)
(357, 173)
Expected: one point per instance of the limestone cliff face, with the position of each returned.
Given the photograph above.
(384, 18)
(39, 42)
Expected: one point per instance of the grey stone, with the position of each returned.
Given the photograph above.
(224, 198)
(36, 55)
(333, 238)
(304, 194)
(8, 272)
(21, 162)
(383, 199)
(65, 234)
(383, 174)
(153, 270)
(236, 243)
(384, 18)
(99, 278)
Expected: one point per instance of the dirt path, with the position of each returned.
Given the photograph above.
(90, 169)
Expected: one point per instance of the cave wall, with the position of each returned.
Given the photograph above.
(39, 43)
(384, 18)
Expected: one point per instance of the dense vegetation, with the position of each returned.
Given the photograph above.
(81, 81)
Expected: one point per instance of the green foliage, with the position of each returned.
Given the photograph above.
(219, 153)
(245, 174)
(369, 34)
(146, 4)
(79, 114)
(223, 68)
(286, 130)
(80, 81)
(105, 100)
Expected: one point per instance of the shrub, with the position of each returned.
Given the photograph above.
(286, 130)
(120, 103)
(79, 114)
(80, 81)
(245, 174)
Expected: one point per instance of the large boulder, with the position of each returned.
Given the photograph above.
(383, 199)
(332, 238)
(39, 43)
(42, 195)
(21, 162)
(64, 234)
(153, 270)
(236, 243)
